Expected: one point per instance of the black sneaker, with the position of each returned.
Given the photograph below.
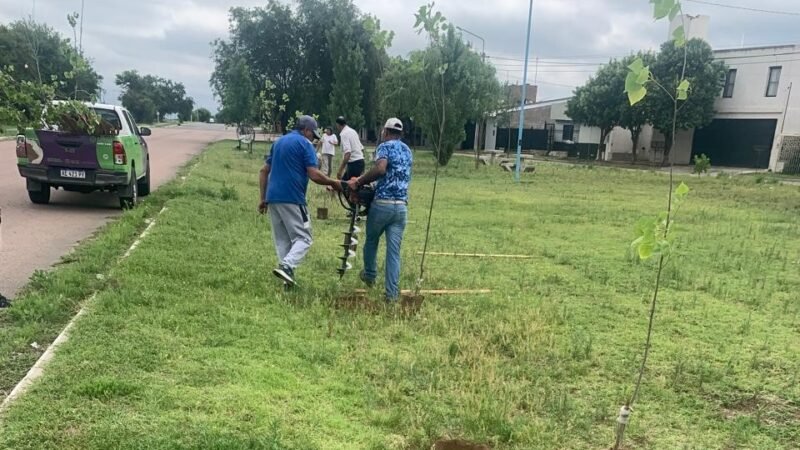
(286, 274)
(367, 281)
(4, 302)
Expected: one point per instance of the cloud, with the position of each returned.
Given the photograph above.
(170, 38)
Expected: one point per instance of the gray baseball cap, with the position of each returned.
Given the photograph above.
(307, 122)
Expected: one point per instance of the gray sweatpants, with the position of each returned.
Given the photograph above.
(291, 232)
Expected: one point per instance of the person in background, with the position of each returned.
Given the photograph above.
(283, 182)
(388, 212)
(329, 143)
(352, 151)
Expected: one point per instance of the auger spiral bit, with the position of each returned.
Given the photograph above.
(349, 242)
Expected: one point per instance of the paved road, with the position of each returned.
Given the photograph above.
(71, 217)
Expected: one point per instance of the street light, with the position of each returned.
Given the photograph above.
(478, 126)
(483, 42)
(524, 94)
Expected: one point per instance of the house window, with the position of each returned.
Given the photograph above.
(730, 81)
(773, 81)
(568, 132)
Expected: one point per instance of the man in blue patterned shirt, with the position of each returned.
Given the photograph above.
(387, 214)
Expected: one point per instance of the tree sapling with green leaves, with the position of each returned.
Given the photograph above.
(702, 164)
(654, 235)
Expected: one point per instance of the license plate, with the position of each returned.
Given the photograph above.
(81, 174)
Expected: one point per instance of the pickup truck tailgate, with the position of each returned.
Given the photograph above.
(66, 150)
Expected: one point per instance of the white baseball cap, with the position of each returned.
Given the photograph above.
(394, 124)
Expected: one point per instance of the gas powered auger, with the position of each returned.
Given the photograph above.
(357, 204)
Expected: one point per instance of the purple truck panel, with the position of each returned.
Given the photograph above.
(67, 150)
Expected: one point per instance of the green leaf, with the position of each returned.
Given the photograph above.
(682, 190)
(422, 12)
(679, 36)
(635, 96)
(662, 8)
(662, 247)
(637, 65)
(645, 243)
(646, 250)
(674, 11)
(644, 75)
(683, 90)
(632, 82)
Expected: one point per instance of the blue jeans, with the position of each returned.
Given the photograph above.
(391, 220)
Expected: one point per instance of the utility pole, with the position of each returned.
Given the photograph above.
(80, 40)
(524, 94)
(479, 125)
(483, 41)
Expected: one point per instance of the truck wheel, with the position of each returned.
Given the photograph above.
(130, 196)
(40, 196)
(144, 183)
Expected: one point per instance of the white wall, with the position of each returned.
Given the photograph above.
(749, 100)
(588, 135)
(682, 147)
(490, 142)
(620, 143)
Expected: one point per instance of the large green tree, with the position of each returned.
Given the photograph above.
(346, 97)
(149, 97)
(597, 103)
(202, 115)
(267, 40)
(40, 54)
(239, 98)
(706, 78)
(297, 51)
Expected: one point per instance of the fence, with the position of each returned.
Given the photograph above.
(790, 154)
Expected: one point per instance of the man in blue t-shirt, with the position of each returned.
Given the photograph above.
(387, 214)
(283, 183)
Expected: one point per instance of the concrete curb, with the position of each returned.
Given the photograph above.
(37, 370)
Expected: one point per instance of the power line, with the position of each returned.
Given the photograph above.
(548, 64)
(745, 8)
(762, 62)
(753, 56)
(561, 71)
(557, 58)
(517, 79)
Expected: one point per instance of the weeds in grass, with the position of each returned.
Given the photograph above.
(192, 343)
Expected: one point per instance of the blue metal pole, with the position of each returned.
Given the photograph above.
(524, 95)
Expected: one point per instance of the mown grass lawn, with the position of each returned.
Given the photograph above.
(191, 343)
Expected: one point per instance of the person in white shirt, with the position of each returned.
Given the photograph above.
(353, 160)
(329, 142)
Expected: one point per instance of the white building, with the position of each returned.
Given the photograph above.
(547, 126)
(757, 115)
(757, 123)
(757, 119)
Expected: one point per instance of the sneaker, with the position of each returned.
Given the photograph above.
(367, 281)
(286, 274)
(4, 302)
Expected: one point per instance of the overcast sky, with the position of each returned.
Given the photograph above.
(170, 38)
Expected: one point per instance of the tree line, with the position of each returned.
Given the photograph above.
(326, 57)
(39, 65)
